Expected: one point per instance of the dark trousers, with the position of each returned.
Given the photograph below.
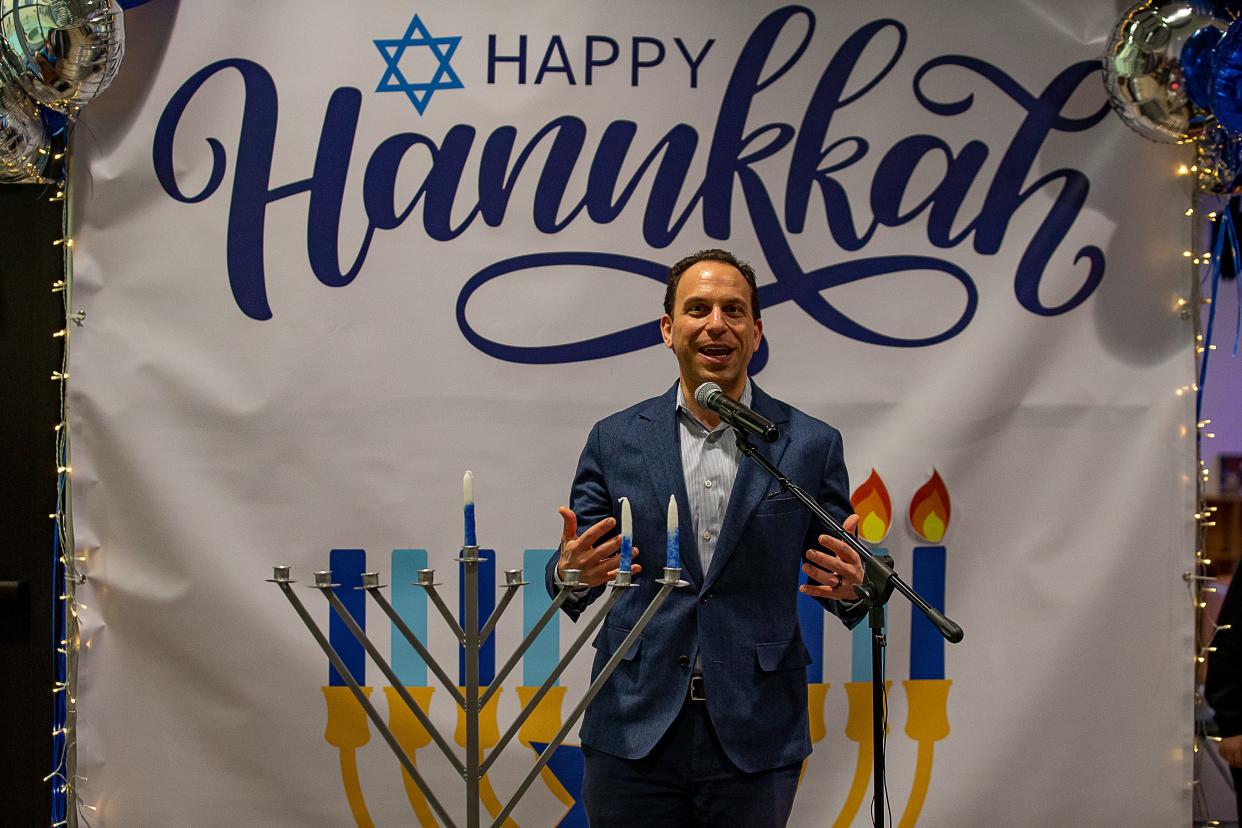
(687, 780)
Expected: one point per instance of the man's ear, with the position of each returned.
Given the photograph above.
(666, 330)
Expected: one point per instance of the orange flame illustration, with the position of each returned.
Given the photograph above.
(929, 510)
(874, 508)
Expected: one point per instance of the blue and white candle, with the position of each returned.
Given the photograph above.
(627, 536)
(672, 558)
(467, 493)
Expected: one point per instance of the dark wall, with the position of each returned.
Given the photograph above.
(29, 313)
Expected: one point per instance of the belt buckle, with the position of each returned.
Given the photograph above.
(696, 689)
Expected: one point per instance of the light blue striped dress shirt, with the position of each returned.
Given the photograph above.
(709, 463)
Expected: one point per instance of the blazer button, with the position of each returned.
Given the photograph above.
(684, 660)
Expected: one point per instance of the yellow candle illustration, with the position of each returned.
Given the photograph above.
(347, 730)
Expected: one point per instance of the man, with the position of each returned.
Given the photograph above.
(705, 720)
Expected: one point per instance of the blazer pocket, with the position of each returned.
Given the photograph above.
(782, 655)
(612, 638)
(778, 505)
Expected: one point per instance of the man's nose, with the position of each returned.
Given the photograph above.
(716, 319)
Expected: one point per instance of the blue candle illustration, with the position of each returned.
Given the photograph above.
(811, 619)
(672, 558)
(929, 518)
(541, 657)
(874, 508)
(627, 535)
(487, 604)
(467, 491)
(347, 566)
(410, 602)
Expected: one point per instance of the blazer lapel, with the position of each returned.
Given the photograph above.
(749, 485)
(662, 453)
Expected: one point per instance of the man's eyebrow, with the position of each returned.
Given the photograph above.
(723, 299)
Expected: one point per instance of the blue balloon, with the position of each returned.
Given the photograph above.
(1219, 161)
(1226, 85)
(53, 122)
(1197, 65)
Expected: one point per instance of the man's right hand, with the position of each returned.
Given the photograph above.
(597, 564)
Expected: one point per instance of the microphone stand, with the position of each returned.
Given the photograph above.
(882, 589)
(879, 581)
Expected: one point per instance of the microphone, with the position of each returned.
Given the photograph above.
(734, 413)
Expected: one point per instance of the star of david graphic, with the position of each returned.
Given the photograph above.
(420, 92)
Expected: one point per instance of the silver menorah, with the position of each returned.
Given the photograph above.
(471, 636)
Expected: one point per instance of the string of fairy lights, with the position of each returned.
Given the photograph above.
(68, 570)
(1206, 266)
(57, 58)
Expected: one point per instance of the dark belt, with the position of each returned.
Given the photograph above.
(696, 689)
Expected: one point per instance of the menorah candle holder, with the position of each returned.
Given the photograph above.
(471, 636)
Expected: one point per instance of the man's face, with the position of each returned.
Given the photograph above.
(713, 330)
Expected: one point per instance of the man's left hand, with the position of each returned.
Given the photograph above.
(833, 573)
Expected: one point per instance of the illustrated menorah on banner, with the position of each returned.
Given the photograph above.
(542, 724)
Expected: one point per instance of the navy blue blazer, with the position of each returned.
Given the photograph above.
(740, 617)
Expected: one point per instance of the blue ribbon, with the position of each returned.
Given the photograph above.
(1225, 229)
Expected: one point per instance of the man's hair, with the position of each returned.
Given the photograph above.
(712, 255)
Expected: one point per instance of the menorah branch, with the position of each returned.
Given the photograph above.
(614, 595)
(282, 580)
(670, 580)
(450, 686)
(511, 588)
(426, 580)
(562, 594)
(397, 685)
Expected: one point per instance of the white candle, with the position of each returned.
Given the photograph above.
(467, 494)
(627, 535)
(673, 550)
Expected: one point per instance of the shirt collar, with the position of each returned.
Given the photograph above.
(747, 395)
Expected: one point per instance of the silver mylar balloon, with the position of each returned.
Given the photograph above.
(64, 52)
(24, 144)
(1143, 68)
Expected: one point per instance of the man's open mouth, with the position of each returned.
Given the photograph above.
(716, 353)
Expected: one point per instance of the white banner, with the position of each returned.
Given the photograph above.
(332, 259)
